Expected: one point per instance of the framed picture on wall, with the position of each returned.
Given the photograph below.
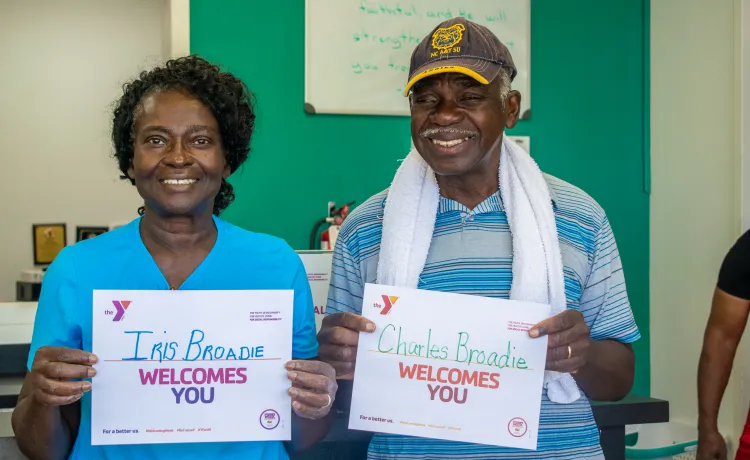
(85, 233)
(49, 240)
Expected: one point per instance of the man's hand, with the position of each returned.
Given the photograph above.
(338, 338)
(711, 446)
(313, 388)
(568, 343)
(52, 371)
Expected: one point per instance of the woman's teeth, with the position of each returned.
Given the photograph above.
(179, 181)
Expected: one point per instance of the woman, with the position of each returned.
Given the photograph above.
(179, 131)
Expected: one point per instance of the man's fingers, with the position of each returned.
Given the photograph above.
(559, 322)
(67, 371)
(559, 353)
(357, 323)
(344, 370)
(349, 321)
(337, 352)
(578, 332)
(543, 328)
(577, 349)
(338, 335)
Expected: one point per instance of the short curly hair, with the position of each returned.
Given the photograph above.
(227, 96)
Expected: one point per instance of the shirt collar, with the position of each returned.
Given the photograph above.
(553, 197)
(493, 203)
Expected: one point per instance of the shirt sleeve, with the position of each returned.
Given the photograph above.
(604, 301)
(734, 275)
(347, 288)
(54, 324)
(304, 340)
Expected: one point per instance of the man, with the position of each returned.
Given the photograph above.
(729, 313)
(461, 101)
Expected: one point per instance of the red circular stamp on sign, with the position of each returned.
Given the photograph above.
(269, 419)
(517, 427)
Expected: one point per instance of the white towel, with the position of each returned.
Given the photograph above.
(409, 221)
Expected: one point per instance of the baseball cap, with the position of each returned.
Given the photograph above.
(462, 46)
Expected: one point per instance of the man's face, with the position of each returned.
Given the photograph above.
(457, 122)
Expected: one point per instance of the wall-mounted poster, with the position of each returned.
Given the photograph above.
(49, 239)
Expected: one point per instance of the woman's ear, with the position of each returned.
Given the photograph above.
(131, 171)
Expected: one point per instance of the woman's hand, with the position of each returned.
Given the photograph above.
(52, 371)
(313, 388)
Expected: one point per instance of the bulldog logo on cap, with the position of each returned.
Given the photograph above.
(461, 46)
(445, 38)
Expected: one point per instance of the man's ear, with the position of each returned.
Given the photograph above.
(512, 109)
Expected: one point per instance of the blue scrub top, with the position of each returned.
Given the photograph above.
(239, 260)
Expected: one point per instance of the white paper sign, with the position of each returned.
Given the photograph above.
(191, 366)
(449, 366)
(318, 268)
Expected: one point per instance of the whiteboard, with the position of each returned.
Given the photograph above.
(357, 52)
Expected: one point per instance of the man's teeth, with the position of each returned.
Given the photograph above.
(449, 143)
(180, 181)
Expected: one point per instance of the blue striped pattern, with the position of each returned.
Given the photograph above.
(471, 254)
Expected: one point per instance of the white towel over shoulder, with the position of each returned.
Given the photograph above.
(409, 221)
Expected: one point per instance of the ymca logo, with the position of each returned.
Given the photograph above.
(388, 302)
(120, 307)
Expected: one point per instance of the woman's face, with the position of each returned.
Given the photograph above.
(178, 162)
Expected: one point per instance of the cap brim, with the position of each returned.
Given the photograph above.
(478, 69)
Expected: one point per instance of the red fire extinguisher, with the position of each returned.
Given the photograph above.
(335, 218)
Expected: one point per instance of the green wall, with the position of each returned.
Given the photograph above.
(589, 122)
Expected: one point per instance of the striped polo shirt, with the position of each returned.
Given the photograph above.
(471, 253)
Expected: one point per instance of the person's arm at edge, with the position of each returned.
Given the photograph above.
(724, 330)
(41, 431)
